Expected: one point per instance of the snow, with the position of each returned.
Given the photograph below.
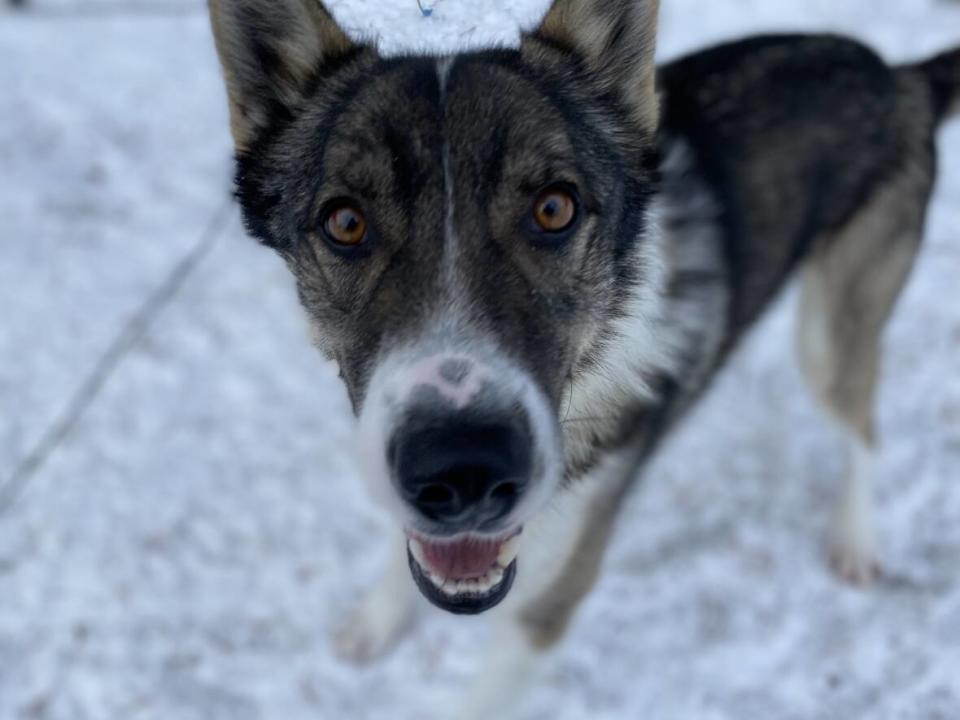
(188, 549)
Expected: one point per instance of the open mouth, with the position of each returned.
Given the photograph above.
(466, 574)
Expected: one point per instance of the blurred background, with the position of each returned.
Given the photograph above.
(181, 527)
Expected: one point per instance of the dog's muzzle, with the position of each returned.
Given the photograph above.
(462, 473)
(471, 451)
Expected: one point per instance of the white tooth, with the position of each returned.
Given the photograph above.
(485, 583)
(495, 576)
(435, 579)
(508, 551)
(416, 549)
(451, 587)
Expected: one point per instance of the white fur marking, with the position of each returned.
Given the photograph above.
(509, 665)
(428, 372)
(384, 615)
(853, 552)
(443, 72)
(449, 230)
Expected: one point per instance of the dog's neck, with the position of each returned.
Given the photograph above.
(668, 341)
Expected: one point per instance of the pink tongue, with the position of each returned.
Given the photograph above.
(461, 559)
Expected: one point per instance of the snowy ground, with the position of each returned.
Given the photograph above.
(185, 552)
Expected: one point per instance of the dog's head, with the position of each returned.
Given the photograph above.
(464, 232)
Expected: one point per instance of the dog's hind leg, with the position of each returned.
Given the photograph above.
(562, 552)
(848, 290)
(384, 614)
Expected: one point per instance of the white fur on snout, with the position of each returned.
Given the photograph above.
(429, 372)
(392, 389)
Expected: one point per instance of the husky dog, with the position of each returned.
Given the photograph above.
(529, 263)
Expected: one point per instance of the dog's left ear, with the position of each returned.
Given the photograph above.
(616, 41)
(269, 50)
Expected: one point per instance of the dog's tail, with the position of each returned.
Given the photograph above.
(943, 74)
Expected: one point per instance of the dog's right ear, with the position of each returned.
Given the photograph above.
(269, 50)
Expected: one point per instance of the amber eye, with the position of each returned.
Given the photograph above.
(345, 225)
(554, 210)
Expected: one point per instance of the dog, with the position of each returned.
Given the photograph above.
(529, 263)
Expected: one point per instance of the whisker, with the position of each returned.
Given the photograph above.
(595, 418)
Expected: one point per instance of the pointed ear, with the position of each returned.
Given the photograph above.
(269, 50)
(616, 41)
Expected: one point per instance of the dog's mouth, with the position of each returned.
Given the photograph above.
(466, 574)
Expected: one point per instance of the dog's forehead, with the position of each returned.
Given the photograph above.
(492, 120)
(471, 95)
(493, 105)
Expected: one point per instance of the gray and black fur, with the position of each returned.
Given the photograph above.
(700, 188)
(793, 135)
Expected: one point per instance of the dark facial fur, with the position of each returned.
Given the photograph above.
(410, 140)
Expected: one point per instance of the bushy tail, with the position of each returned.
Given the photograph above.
(943, 72)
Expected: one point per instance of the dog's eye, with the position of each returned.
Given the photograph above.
(554, 210)
(343, 224)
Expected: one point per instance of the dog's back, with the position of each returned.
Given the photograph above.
(794, 133)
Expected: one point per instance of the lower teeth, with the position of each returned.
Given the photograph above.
(473, 586)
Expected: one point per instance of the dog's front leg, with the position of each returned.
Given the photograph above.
(562, 553)
(384, 615)
(508, 668)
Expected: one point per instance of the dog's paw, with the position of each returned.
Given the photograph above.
(373, 629)
(852, 549)
(854, 563)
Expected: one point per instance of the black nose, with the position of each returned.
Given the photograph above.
(462, 473)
